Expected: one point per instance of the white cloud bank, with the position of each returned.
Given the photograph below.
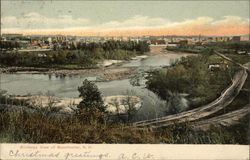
(35, 20)
(34, 23)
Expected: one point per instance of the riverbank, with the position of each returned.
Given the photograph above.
(115, 104)
(125, 74)
(111, 73)
(109, 70)
(104, 66)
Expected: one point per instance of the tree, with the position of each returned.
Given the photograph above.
(175, 103)
(130, 109)
(91, 97)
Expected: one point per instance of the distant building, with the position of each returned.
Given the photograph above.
(36, 42)
(3, 38)
(236, 38)
(60, 38)
(183, 42)
(157, 41)
(222, 39)
(172, 44)
(12, 35)
(24, 44)
(218, 66)
(49, 40)
(245, 38)
(125, 38)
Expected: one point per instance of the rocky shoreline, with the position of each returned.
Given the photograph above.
(109, 69)
(103, 66)
(109, 72)
(115, 104)
(15, 69)
(117, 76)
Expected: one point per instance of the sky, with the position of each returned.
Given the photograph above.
(125, 18)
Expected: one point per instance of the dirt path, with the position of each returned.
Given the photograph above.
(223, 120)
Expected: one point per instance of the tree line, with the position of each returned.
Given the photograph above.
(109, 45)
(9, 45)
(224, 47)
(84, 54)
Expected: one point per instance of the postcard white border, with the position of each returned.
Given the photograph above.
(122, 152)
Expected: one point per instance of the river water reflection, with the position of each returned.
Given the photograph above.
(23, 84)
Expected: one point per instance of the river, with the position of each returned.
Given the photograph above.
(23, 84)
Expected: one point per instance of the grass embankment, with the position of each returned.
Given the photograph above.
(239, 58)
(22, 127)
(35, 128)
(187, 50)
(240, 101)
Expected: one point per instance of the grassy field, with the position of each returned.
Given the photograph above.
(22, 127)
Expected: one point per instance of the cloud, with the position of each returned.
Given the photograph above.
(136, 21)
(34, 23)
(228, 25)
(35, 20)
(231, 21)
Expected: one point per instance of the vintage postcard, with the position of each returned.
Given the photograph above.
(124, 79)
